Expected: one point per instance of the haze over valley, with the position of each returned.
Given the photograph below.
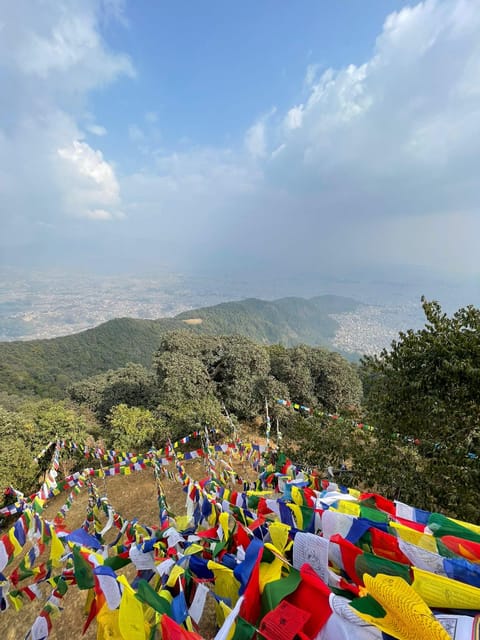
(50, 303)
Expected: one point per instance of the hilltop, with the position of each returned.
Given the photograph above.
(47, 367)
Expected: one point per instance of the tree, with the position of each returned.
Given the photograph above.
(336, 384)
(183, 419)
(135, 429)
(291, 367)
(47, 420)
(316, 377)
(132, 385)
(229, 368)
(427, 388)
(239, 373)
(17, 467)
(181, 378)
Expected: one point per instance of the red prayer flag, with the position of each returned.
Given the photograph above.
(173, 631)
(284, 622)
(312, 593)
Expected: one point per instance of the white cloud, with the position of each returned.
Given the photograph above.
(96, 129)
(93, 182)
(373, 161)
(294, 117)
(52, 55)
(255, 141)
(256, 136)
(311, 74)
(98, 214)
(59, 43)
(397, 135)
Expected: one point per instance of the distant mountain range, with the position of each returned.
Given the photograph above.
(47, 367)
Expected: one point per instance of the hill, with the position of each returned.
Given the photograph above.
(47, 367)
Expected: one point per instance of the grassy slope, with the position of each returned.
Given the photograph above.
(46, 367)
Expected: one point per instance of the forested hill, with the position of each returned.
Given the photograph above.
(47, 367)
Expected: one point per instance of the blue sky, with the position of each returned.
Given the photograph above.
(256, 138)
(207, 69)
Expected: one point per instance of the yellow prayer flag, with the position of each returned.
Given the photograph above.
(223, 522)
(131, 620)
(212, 518)
(355, 493)
(226, 611)
(182, 522)
(17, 601)
(415, 537)
(270, 571)
(407, 616)
(56, 549)
(468, 525)
(226, 586)
(17, 549)
(297, 512)
(445, 593)
(107, 624)
(348, 507)
(175, 574)
(297, 495)
(193, 548)
(279, 535)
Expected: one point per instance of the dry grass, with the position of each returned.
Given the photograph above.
(133, 496)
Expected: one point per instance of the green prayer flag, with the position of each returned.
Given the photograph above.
(147, 594)
(373, 514)
(277, 590)
(371, 564)
(83, 570)
(116, 562)
(243, 630)
(442, 526)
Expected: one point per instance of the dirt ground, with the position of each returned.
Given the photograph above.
(133, 496)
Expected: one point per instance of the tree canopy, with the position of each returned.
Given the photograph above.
(426, 388)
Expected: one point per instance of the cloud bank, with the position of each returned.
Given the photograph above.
(375, 165)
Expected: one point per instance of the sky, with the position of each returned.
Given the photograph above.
(256, 138)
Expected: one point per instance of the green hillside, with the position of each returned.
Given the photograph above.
(47, 367)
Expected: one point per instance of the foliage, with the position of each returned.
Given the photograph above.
(321, 442)
(237, 372)
(47, 420)
(427, 388)
(135, 429)
(192, 416)
(25, 431)
(181, 378)
(17, 467)
(48, 367)
(132, 385)
(316, 377)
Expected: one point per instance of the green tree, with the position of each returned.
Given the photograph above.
(239, 373)
(135, 428)
(187, 417)
(426, 387)
(336, 384)
(47, 420)
(191, 368)
(132, 385)
(181, 378)
(316, 377)
(17, 467)
(291, 366)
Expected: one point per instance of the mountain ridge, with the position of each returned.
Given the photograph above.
(47, 366)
